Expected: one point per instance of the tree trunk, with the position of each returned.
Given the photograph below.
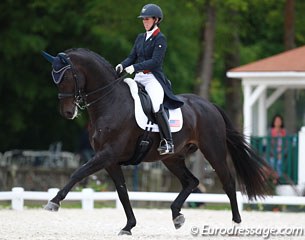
(233, 86)
(289, 36)
(205, 67)
(205, 71)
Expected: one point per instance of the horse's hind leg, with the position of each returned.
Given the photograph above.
(189, 183)
(117, 176)
(216, 155)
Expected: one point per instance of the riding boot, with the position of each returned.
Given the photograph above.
(166, 145)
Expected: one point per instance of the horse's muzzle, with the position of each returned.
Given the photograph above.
(69, 112)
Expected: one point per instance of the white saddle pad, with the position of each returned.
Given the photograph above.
(175, 115)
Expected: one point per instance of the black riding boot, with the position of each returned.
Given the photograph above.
(166, 145)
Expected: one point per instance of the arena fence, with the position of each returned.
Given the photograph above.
(266, 147)
(87, 197)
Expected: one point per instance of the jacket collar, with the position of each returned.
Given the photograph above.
(154, 32)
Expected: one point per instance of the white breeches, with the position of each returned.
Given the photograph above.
(152, 87)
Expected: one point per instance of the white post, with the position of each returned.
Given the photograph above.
(247, 111)
(17, 200)
(87, 199)
(301, 165)
(262, 115)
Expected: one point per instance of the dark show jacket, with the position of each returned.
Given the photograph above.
(148, 56)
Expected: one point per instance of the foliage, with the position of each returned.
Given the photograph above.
(29, 115)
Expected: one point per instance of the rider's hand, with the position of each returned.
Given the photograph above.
(119, 68)
(130, 69)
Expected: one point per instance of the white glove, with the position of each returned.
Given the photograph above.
(119, 68)
(130, 69)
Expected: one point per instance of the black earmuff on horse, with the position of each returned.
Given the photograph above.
(86, 80)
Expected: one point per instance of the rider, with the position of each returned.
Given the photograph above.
(146, 59)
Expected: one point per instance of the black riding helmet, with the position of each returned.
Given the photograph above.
(151, 10)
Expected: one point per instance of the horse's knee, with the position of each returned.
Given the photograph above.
(121, 189)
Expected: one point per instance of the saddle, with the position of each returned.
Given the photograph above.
(144, 142)
(146, 103)
(145, 118)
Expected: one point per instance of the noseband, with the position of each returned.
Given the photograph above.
(80, 97)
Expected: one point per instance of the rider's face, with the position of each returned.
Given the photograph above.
(148, 22)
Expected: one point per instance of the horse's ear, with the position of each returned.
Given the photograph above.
(47, 56)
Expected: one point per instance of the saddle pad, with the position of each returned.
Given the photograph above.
(175, 115)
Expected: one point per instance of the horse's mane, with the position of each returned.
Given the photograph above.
(98, 57)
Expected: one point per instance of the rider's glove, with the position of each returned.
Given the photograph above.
(130, 69)
(119, 68)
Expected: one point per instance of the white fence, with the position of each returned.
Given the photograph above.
(88, 196)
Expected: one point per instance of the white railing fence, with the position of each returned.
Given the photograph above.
(87, 197)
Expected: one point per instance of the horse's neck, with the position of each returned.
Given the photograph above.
(113, 102)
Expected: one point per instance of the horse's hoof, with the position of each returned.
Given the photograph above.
(178, 221)
(236, 223)
(53, 207)
(124, 232)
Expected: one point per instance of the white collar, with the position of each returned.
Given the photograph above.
(149, 33)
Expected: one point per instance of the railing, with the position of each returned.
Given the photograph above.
(47, 159)
(87, 197)
(287, 152)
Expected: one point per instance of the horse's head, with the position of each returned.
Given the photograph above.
(70, 83)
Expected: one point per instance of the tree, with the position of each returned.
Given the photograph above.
(205, 66)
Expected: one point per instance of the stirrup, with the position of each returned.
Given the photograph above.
(165, 147)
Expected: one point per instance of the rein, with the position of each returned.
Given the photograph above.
(80, 98)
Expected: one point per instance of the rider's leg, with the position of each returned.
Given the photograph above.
(156, 93)
(166, 145)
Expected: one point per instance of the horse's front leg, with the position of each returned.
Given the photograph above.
(115, 172)
(94, 165)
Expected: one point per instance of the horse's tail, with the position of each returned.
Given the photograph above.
(253, 172)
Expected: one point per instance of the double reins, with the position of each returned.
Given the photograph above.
(80, 97)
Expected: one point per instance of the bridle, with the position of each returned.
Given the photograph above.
(80, 97)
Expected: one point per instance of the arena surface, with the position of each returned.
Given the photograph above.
(98, 224)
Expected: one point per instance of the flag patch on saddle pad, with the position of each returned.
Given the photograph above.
(174, 123)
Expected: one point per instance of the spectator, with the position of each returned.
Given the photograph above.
(277, 132)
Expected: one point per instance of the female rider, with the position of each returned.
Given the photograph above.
(146, 59)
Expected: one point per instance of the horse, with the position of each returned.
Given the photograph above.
(87, 81)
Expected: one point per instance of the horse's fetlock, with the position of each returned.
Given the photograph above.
(175, 208)
(132, 223)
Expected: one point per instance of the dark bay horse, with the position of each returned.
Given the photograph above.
(86, 80)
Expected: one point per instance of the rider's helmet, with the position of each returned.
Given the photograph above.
(151, 10)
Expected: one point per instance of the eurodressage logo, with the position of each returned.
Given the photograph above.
(265, 233)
